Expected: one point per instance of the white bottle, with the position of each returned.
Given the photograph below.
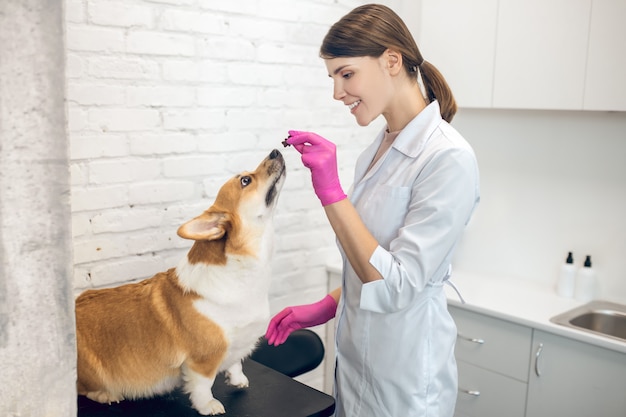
(567, 278)
(586, 282)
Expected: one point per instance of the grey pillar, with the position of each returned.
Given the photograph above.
(37, 332)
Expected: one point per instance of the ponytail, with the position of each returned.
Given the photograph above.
(437, 89)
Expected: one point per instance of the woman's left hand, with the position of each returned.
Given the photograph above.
(320, 156)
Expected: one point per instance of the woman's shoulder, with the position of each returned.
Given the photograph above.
(447, 136)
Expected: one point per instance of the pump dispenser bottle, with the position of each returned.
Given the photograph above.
(586, 285)
(567, 278)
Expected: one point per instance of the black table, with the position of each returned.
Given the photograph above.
(270, 394)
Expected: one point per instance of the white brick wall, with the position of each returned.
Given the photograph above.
(167, 99)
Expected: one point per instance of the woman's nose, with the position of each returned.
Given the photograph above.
(338, 92)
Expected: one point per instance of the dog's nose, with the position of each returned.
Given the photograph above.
(275, 154)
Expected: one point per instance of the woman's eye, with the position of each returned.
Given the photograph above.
(245, 181)
(348, 75)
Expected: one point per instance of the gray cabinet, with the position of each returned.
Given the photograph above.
(575, 379)
(484, 393)
(493, 360)
(506, 369)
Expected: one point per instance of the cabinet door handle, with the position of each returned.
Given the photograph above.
(537, 355)
(471, 392)
(471, 339)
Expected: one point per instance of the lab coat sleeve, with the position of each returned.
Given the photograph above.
(443, 198)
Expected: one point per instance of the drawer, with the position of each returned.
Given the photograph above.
(497, 345)
(483, 393)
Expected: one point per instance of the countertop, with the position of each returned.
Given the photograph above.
(519, 301)
(523, 302)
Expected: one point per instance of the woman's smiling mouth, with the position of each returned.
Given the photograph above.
(353, 105)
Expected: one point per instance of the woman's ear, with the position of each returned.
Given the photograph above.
(394, 61)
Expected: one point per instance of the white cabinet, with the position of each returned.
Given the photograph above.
(458, 37)
(528, 54)
(605, 85)
(493, 360)
(575, 379)
(541, 48)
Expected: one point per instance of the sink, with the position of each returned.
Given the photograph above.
(598, 317)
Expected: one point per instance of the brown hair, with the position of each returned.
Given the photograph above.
(370, 30)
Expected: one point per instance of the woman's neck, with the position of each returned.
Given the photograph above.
(407, 104)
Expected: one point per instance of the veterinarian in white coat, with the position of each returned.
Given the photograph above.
(414, 191)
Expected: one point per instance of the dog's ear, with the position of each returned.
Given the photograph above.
(208, 226)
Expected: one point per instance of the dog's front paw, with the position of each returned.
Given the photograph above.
(212, 408)
(238, 380)
(236, 377)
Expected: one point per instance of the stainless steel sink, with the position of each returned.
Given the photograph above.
(599, 317)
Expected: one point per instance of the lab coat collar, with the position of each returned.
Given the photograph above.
(410, 141)
(414, 136)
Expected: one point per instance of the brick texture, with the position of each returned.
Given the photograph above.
(167, 99)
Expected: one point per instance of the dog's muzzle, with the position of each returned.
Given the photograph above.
(278, 165)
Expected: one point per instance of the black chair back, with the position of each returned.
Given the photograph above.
(302, 352)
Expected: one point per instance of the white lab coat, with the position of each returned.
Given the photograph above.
(395, 338)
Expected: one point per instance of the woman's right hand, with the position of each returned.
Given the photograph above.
(298, 317)
(320, 156)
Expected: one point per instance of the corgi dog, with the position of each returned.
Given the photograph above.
(185, 325)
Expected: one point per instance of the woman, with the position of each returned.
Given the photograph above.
(414, 191)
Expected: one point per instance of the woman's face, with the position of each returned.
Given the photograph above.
(363, 84)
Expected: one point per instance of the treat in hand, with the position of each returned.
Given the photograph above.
(320, 156)
(285, 144)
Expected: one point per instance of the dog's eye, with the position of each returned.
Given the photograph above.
(245, 181)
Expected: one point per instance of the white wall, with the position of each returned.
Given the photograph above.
(552, 182)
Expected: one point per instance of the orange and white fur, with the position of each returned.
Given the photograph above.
(186, 325)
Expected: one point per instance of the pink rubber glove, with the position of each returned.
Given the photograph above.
(298, 317)
(320, 156)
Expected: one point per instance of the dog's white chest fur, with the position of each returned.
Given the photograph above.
(234, 296)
